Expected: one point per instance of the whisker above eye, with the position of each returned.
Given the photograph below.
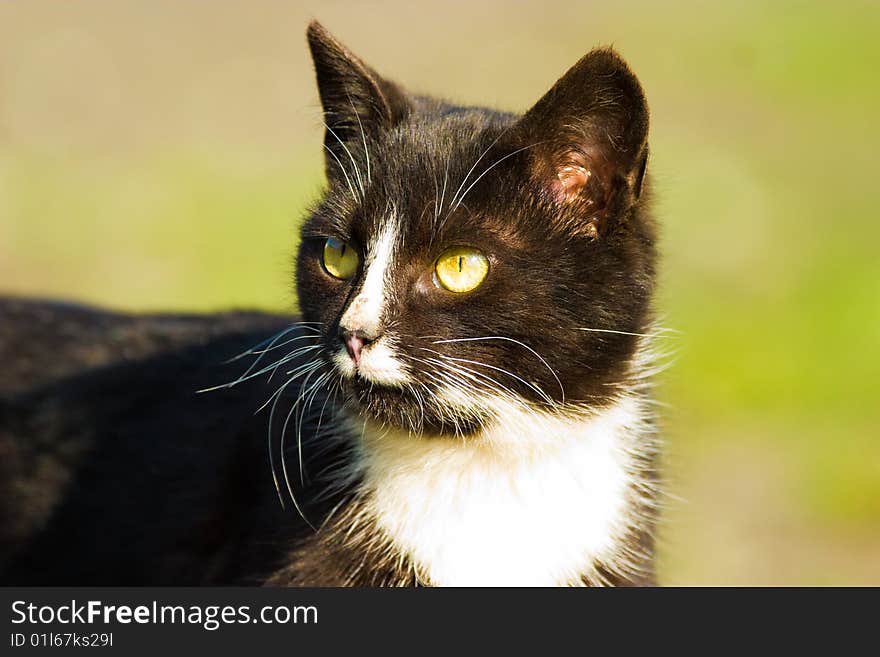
(495, 164)
(363, 138)
(471, 170)
(344, 173)
(357, 172)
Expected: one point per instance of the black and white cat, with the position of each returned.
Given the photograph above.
(465, 401)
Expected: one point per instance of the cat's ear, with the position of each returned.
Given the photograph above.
(587, 140)
(357, 102)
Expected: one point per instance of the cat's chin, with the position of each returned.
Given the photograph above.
(398, 408)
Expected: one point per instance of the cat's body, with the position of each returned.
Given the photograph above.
(465, 400)
(114, 470)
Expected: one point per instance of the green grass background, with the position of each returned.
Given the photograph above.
(159, 156)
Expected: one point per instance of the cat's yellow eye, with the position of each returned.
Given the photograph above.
(461, 269)
(340, 259)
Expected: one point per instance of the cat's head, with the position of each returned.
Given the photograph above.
(465, 262)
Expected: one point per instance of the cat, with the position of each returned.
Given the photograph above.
(466, 398)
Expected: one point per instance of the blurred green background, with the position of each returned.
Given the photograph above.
(159, 156)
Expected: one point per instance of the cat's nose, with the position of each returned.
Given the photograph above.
(354, 342)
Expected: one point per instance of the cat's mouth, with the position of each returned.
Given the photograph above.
(364, 385)
(380, 401)
(376, 366)
(381, 387)
(401, 408)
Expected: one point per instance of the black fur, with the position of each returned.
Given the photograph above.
(114, 470)
(107, 450)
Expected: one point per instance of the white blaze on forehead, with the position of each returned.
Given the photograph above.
(365, 311)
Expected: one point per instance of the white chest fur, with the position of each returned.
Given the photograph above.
(534, 504)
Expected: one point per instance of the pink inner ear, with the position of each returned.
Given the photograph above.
(570, 180)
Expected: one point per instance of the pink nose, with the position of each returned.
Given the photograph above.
(354, 342)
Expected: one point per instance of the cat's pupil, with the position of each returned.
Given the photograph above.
(342, 251)
(460, 258)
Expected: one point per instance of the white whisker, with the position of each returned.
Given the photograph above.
(471, 170)
(499, 161)
(522, 344)
(363, 138)
(357, 172)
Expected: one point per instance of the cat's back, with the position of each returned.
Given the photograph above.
(44, 341)
(113, 468)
